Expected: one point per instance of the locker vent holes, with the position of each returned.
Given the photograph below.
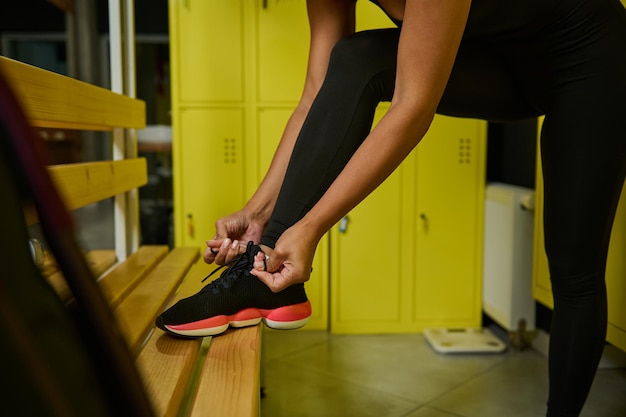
(230, 151)
(465, 145)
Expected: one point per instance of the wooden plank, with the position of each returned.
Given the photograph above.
(101, 260)
(98, 260)
(119, 282)
(230, 380)
(166, 363)
(58, 101)
(136, 313)
(86, 183)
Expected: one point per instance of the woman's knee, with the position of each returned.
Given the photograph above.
(364, 55)
(576, 271)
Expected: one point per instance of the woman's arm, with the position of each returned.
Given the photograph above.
(329, 21)
(430, 37)
(429, 40)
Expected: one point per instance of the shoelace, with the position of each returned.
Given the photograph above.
(241, 262)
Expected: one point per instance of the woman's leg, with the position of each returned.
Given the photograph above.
(584, 160)
(584, 165)
(361, 74)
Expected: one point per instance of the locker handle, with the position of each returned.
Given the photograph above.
(425, 221)
(190, 226)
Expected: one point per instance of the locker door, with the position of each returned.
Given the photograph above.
(208, 47)
(450, 197)
(210, 172)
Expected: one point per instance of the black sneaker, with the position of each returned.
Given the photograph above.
(237, 298)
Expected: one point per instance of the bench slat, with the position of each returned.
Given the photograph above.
(57, 101)
(230, 380)
(119, 282)
(136, 313)
(98, 260)
(166, 363)
(86, 183)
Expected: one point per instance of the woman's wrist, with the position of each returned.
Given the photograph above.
(258, 213)
(312, 228)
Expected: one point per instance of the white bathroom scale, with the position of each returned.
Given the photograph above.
(464, 340)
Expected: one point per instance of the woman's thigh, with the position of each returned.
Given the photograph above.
(482, 85)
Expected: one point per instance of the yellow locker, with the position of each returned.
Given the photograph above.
(369, 282)
(409, 256)
(209, 161)
(238, 70)
(283, 45)
(615, 270)
(542, 290)
(369, 16)
(449, 211)
(207, 49)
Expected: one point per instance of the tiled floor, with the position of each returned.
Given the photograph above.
(316, 374)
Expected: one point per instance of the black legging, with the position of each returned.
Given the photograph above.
(575, 74)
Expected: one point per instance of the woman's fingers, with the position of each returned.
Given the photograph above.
(223, 251)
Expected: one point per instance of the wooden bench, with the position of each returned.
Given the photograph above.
(182, 377)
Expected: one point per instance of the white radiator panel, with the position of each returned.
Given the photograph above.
(507, 262)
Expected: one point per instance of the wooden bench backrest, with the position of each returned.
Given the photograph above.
(55, 101)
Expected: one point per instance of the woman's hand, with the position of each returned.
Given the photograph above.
(290, 261)
(232, 235)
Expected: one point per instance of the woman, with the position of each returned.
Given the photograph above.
(488, 59)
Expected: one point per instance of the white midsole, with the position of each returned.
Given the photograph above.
(286, 325)
(279, 325)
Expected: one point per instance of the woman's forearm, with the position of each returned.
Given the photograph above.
(330, 20)
(263, 200)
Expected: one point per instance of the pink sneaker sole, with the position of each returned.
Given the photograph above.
(283, 318)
